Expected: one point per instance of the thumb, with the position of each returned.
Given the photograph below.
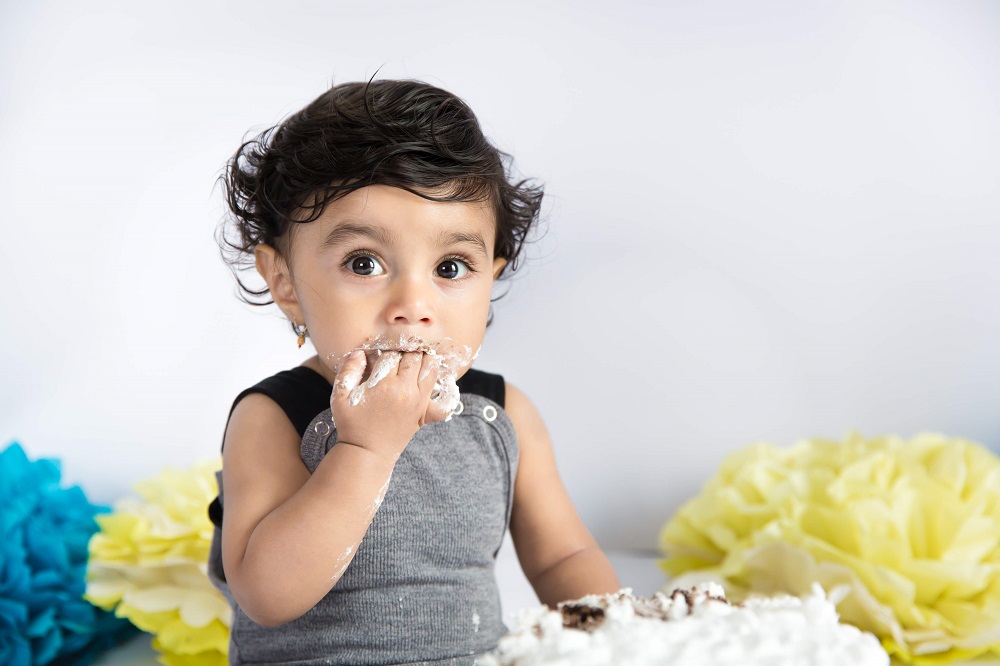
(442, 405)
(436, 412)
(430, 373)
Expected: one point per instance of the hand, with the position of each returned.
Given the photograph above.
(384, 411)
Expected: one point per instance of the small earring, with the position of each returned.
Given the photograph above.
(301, 332)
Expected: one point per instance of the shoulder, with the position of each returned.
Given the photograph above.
(524, 416)
(297, 395)
(259, 433)
(295, 381)
(256, 410)
(536, 458)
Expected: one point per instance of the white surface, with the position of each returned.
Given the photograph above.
(137, 652)
(765, 221)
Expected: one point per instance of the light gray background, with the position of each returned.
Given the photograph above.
(765, 221)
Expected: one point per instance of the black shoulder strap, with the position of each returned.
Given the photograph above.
(482, 383)
(301, 392)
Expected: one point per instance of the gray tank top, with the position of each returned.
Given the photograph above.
(421, 588)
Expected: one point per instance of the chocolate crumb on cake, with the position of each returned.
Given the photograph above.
(581, 616)
(589, 613)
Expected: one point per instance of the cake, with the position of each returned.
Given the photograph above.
(690, 627)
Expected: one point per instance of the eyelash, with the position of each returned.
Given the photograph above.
(368, 253)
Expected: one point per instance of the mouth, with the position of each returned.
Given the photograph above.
(375, 347)
(449, 356)
(406, 342)
(450, 352)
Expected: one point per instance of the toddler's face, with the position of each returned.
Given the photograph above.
(384, 268)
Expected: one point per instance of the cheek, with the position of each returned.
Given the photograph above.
(333, 297)
(470, 323)
(338, 322)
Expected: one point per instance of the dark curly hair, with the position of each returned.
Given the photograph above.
(405, 134)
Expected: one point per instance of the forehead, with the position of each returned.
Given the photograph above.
(406, 216)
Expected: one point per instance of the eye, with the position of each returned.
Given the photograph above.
(364, 264)
(452, 269)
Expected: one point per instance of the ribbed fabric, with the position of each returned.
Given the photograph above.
(421, 588)
(302, 393)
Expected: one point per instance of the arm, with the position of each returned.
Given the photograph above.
(288, 536)
(557, 553)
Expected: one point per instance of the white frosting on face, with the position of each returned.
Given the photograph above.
(708, 631)
(384, 353)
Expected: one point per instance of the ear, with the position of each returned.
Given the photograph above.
(498, 265)
(274, 269)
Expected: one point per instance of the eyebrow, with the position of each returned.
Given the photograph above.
(350, 230)
(458, 238)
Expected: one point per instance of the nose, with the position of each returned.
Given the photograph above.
(410, 301)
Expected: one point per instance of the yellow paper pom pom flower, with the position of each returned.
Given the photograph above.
(909, 529)
(149, 563)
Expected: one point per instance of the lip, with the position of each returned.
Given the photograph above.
(405, 342)
(403, 349)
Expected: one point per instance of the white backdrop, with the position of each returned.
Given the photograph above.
(765, 221)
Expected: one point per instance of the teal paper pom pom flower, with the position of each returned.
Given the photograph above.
(44, 532)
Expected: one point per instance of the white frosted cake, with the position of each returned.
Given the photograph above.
(693, 627)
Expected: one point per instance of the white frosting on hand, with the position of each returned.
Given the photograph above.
(384, 354)
(385, 364)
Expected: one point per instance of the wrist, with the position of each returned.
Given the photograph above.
(381, 458)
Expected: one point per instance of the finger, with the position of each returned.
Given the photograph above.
(350, 373)
(385, 364)
(430, 370)
(409, 365)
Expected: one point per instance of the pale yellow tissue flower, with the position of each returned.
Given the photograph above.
(909, 529)
(148, 563)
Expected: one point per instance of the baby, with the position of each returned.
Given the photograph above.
(365, 493)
